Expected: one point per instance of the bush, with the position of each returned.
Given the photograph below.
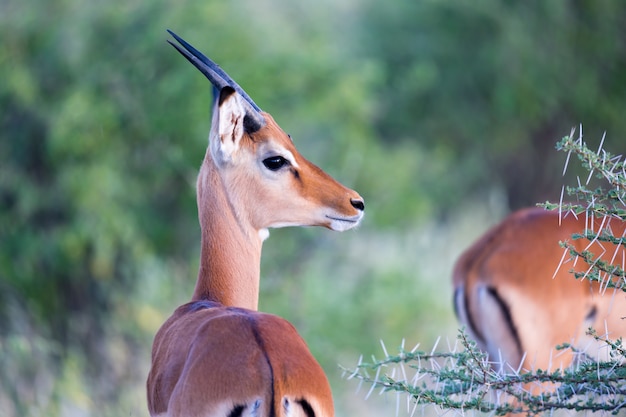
(464, 379)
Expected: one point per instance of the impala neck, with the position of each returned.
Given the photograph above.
(230, 259)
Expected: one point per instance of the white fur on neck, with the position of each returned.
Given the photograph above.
(264, 234)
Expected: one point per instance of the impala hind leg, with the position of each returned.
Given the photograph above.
(489, 322)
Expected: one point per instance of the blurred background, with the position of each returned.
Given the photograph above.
(442, 114)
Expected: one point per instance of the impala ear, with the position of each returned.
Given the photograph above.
(228, 121)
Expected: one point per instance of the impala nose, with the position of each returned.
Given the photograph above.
(357, 203)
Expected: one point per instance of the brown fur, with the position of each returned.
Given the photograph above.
(224, 357)
(506, 296)
(218, 356)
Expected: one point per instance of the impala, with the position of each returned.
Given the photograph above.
(514, 292)
(217, 355)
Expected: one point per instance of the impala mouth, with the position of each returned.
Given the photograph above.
(341, 224)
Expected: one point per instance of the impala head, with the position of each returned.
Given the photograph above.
(267, 181)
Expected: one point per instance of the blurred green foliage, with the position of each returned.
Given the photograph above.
(430, 109)
(498, 82)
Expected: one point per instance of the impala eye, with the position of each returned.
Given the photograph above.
(275, 163)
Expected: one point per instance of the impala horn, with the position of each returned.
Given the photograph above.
(220, 79)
